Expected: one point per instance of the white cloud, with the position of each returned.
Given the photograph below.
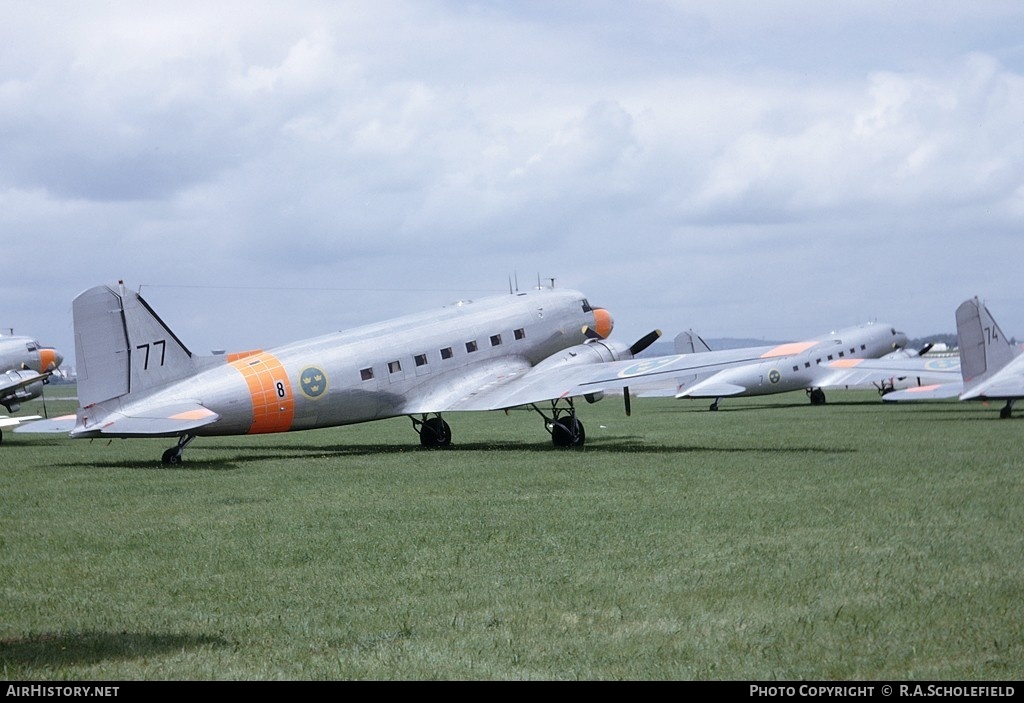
(768, 169)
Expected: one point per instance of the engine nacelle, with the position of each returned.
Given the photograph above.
(593, 351)
(26, 392)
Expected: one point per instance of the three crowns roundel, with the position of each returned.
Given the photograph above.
(313, 382)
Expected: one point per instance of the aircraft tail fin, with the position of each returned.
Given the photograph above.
(689, 342)
(123, 347)
(984, 349)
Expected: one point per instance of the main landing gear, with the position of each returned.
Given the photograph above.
(172, 457)
(1006, 412)
(816, 395)
(434, 432)
(565, 428)
(562, 424)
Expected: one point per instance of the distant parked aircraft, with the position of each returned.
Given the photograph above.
(827, 361)
(25, 366)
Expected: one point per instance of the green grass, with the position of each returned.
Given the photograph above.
(770, 540)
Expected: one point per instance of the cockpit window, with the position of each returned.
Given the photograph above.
(33, 346)
(586, 306)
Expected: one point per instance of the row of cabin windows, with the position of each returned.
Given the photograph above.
(842, 355)
(446, 353)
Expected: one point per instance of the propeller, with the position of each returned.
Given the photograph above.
(644, 342)
(634, 349)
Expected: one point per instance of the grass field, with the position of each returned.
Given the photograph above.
(769, 540)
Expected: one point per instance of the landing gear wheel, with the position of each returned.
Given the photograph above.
(817, 396)
(435, 434)
(714, 406)
(568, 432)
(172, 457)
(1006, 412)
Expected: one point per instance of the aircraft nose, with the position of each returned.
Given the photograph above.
(49, 359)
(901, 340)
(603, 322)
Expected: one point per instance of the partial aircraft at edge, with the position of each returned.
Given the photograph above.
(827, 361)
(25, 365)
(543, 347)
(991, 368)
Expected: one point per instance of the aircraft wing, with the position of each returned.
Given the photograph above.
(864, 372)
(569, 381)
(468, 390)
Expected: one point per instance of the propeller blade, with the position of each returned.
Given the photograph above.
(590, 333)
(644, 342)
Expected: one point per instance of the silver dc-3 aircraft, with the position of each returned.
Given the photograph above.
(25, 366)
(827, 361)
(541, 348)
(990, 368)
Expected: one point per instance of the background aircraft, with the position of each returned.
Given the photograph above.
(25, 365)
(990, 368)
(543, 347)
(813, 365)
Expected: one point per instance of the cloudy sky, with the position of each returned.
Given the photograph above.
(272, 171)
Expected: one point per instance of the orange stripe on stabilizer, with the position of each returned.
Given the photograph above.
(787, 349)
(922, 389)
(846, 363)
(273, 405)
(197, 414)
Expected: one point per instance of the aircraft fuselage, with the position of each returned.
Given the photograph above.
(376, 371)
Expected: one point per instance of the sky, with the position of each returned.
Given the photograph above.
(269, 171)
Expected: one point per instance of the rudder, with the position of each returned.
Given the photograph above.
(122, 347)
(983, 347)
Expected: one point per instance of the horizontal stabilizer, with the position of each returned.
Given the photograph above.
(711, 390)
(999, 387)
(936, 391)
(159, 421)
(12, 421)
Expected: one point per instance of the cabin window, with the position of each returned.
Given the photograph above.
(421, 359)
(830, 357)
(852, 350)
(394, 366)
(447, 353)
(807, 364)
(471, 346)
(863, 347)
(366, 374)
(495, 340)
(796, 368)
(842, 354)
(520, 333)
